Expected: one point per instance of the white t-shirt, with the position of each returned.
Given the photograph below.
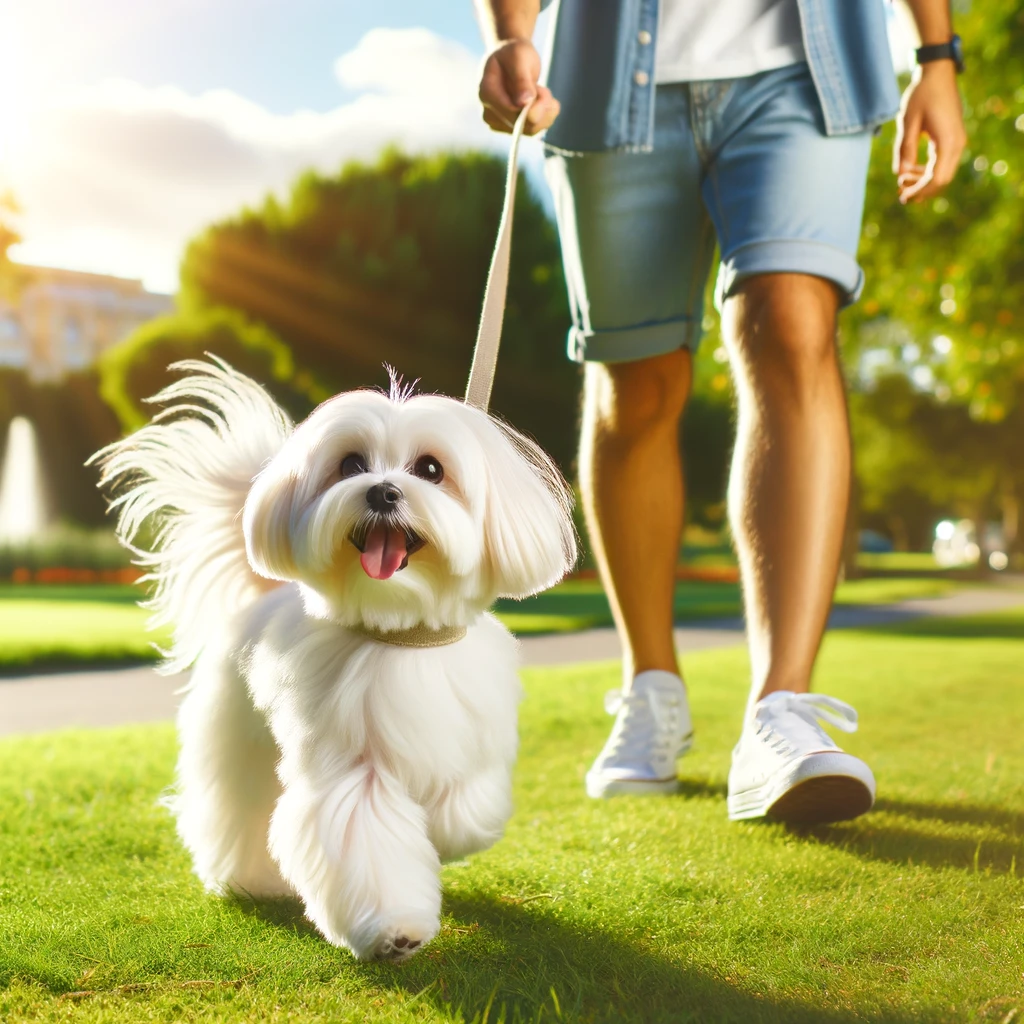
(704, 39)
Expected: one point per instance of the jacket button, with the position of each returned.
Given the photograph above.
(643, 37)
(641, 78)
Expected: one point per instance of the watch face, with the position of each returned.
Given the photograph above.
(958, 52)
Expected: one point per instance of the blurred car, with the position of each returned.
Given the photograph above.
(873, 543)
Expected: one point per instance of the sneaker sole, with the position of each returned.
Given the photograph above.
(601, 789)
(820, 789)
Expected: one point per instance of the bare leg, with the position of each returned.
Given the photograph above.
(790, 479)
(632, 482)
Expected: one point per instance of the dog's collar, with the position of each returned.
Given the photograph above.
(416, 636)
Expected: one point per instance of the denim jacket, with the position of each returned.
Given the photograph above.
(602, 70)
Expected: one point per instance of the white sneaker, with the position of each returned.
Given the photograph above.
(652, 728)
(785, 765)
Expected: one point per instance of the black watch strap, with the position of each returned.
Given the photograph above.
(953, 50)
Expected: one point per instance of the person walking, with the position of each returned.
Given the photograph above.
(672, 125)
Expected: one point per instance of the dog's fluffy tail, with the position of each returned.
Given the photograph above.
(179, 486)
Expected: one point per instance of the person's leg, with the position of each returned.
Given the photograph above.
(790, 479)
(637, 245)
(632, 483)
(786, 201)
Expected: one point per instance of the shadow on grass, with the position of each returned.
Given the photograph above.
(62, 664)
(702, 789)
(994, 626)
(286, 913)
(955, 814)
(106, 593)
(498, 961)
(877, 837)
(691, 600)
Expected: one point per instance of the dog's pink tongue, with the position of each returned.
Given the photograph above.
(383, 552)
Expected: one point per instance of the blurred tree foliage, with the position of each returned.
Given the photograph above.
(943, 310)
(9, 235)
(69, 418)
(919, 460)
(953, 267)
(136, 369)
(378, 264)
(71, 422)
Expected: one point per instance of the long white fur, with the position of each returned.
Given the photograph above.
(185, 477)
(314, 760)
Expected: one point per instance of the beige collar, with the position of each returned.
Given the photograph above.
(416, 636)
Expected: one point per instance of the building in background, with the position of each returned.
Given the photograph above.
(61, 320)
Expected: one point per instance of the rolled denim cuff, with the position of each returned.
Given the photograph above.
(625, 344)
(790, 256)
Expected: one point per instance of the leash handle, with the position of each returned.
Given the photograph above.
(488, 335)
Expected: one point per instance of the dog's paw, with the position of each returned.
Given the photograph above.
(396, 947)
(395, 937)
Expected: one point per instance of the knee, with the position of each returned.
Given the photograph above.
(635, 399)
(782, 328)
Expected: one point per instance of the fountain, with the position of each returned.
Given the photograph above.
(23, 512)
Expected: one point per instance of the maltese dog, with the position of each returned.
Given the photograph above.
(350, 721)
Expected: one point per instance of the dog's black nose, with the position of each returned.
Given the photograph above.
(383, 497)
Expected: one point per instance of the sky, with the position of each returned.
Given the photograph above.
(127, 126)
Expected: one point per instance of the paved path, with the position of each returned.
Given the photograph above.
(118, 696)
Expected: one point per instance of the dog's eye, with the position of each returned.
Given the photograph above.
(428, 468)
(352, 465)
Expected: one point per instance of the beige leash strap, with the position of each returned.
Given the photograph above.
(488, 335)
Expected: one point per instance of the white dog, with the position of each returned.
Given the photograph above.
(351, 724)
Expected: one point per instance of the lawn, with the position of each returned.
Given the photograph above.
(53, 627)
(629, 910)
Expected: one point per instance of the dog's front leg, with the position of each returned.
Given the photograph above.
(470, 815)
(355, 848)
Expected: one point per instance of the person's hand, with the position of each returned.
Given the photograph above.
(931, 106)
(509, 81)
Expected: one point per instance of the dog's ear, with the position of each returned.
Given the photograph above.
(266, 522)
(529, 537)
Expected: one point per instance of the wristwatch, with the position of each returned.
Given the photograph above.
(953, 50)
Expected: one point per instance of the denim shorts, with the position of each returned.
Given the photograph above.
(742, 162)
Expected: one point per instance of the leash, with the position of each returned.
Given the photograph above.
(481, 377)
(488, 335)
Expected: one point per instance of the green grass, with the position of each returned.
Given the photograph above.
(629, 910)
(54, 627)
(63, 629)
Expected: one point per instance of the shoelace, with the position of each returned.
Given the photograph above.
(817, 707)
(650, 709)
(812, 708)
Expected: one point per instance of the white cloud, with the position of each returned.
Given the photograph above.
(118, 178)
(409, 63)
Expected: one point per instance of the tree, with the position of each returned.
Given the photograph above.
(136, 369)
(71, 423)
(944, 306)
(954, 268)
(386, 264)
(9, 236)
(950, 273)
